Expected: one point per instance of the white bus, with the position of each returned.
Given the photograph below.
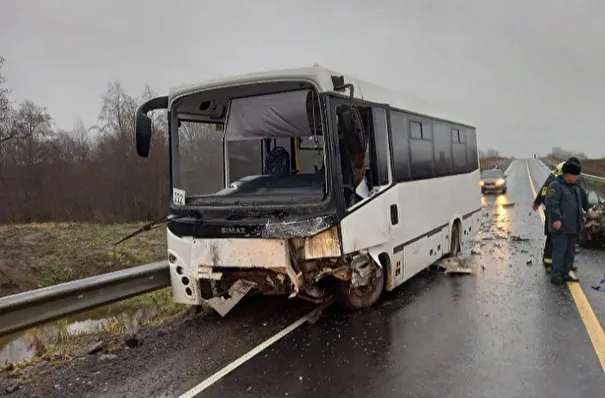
(309, 183)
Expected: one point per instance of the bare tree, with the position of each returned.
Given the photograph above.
(492, 153)
(559, 153)
(5, 107)
(86, 173)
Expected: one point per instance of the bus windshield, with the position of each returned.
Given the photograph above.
(269, 150)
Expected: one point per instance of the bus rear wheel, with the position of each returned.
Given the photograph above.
(366, 295)
(455, 240)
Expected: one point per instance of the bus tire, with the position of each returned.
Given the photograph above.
(364, 296)
(455, 239)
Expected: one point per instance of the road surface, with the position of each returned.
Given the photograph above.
(505, 331)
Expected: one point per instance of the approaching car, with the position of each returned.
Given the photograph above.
(493, 181)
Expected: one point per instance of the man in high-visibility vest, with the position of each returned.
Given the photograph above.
(539, 200)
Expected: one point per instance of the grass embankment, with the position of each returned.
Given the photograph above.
(45, 254)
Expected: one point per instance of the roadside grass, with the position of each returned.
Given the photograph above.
(43, 254)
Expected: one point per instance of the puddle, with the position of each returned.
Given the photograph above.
(25, 345)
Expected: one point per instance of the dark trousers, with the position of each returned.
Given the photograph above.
(547, 256)
(563, 253)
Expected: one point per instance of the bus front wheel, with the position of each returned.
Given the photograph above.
(366, 295)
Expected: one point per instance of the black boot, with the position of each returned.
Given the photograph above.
(556, 280)
(569, 278)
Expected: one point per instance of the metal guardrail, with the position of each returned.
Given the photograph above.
(593, 177)
(587, 176)
(24, 310)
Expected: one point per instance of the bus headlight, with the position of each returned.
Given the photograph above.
(324, 244)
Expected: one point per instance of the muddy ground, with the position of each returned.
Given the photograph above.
(44, 254)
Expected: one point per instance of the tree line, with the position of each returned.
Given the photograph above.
(86, 173)
(560, 153)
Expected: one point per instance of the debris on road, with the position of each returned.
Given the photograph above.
(488, 205)
(516, 238)
(96, 347)
(313, 320)
(529, 262)
(453, 265)
(601, 286)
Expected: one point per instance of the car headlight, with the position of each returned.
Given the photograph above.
(481, 183)
(500, 182)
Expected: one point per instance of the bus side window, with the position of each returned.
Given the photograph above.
(379, 147)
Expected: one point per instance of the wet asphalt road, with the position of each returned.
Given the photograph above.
(504, 332)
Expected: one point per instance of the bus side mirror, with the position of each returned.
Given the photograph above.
(143, 134)
(142, 125)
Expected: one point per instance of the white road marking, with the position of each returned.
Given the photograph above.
(250, 354)
(509, 167)
(543, 165)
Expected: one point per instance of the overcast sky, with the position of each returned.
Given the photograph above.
(529, 73)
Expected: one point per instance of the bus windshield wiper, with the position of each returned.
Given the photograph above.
(158, 223)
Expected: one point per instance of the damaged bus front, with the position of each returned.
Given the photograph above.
(256, 192)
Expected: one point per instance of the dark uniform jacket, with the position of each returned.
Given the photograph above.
(551, 177)
(563, 203)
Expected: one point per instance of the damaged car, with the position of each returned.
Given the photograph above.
(593, 231)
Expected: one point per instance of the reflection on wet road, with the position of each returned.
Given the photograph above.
(504, 331)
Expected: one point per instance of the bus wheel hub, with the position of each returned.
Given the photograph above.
(362, 271)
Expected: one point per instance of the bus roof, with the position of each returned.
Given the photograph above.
(322, 78)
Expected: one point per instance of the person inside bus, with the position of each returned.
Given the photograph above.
(354, 170)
